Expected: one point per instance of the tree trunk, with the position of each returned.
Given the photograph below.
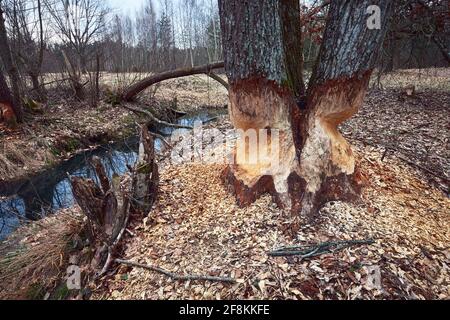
(75, 78)
(7, 114)
(11, 69)
(301, 158)
(140, 86)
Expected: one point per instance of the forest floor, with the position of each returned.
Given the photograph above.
(197, 228)
(402, 145)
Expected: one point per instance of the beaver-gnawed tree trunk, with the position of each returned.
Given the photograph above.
(263, 60)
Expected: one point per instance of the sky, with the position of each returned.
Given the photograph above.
(126, 6)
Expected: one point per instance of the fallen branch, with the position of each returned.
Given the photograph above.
(219, 79)
(175, 276)
(156, 120)
(411, 163)
(160, 137)
(309, 251)
(137, 88)
(397, 153)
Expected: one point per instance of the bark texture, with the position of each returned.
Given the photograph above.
(262, 44)
(11, 69)
(131, 92)
(109, 204)
(7, 114)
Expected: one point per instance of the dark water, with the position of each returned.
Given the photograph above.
(50, 191)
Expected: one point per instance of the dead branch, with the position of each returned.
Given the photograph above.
(154, 119)
(214, 76)
(146, 174)
(423, 169)
(309, 251)
(175, 276)
(137, 88)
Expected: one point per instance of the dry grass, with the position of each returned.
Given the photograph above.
(432, 79)
(33, 260)
(13, 160)
(197, 228)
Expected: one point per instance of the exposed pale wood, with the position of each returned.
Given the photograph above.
(266, 92)
(109, 206)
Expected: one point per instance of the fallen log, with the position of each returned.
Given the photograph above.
(219, 80)
(137, 88)
(108, 206)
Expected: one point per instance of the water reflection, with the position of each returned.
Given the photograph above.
(51, 190)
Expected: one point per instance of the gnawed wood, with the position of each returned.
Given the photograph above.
(315, 163)
(108, 206)
(146, 175)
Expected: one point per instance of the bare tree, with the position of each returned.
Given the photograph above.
(78, 23)
(7, 114)
(27, 38)
(147, 35)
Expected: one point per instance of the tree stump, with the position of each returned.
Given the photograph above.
(108, 205)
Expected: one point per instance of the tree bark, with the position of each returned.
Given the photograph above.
(267, 95)
(137, 88)
(6, 111)
(11, 69)
(109, 204)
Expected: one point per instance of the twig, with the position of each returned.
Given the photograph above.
(310, 251)
(173, 275)
(160, 137)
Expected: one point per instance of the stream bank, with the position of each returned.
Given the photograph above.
(49, 191)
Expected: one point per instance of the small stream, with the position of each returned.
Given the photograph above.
(50, 191)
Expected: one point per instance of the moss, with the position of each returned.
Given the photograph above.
(144, 169)
(35, 292)
(72, 144)
(61, 292)
(55, 151)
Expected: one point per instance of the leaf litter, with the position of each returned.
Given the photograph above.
(197, 228)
